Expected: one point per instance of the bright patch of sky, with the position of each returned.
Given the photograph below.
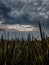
(18, 27)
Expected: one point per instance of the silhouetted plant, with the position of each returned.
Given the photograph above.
(25, 52)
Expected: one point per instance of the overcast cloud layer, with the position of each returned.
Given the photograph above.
(24, 13)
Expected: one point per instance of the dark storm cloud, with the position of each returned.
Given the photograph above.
(4, 10)
(25, 12)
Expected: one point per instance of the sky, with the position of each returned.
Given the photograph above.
(23, 15)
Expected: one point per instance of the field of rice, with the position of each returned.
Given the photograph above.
(25, 52)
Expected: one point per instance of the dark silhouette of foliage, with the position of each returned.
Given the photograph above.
(25, 52)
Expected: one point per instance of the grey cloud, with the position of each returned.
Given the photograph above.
(3, 11)
(26, 11)
(25, 6)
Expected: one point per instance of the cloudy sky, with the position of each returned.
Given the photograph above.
(23, 15)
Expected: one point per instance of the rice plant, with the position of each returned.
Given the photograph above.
(25, 52)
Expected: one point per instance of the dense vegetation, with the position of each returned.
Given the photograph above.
(25, 52)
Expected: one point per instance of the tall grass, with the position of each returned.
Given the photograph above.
(25, 52)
